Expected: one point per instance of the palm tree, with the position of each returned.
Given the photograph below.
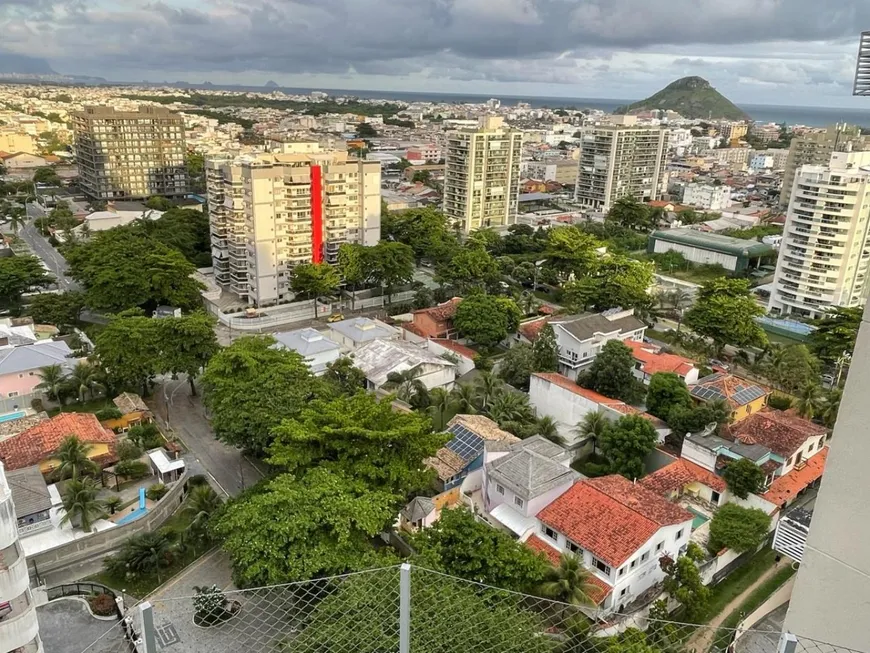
(810, 401)
(546, 427)
(146, 553)
(441, 407)
(569, 582)
(592, 427)
(53, 381)
(465, 395)
(831, 407)
(408, 387)
(488, 386)
(509, 407)
(80, 502)
(202, 503)
(73, 457)
(16, 220)
(84, 380)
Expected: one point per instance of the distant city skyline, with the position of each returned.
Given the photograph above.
(767, 51)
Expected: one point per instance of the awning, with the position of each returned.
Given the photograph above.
(512, 520)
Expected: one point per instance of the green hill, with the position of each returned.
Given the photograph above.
(691, 97)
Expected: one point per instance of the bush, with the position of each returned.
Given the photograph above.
(741, 529)
(112, 504)
(132, 469)
(37, 405)
(102, 605)
(780, 402)
(198, 479)
(109, 412)
(129, 451)
(146, 436)
(156, 492)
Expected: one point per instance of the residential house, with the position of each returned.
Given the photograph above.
(528, 331)
(20, 161)
(19, 366)
(437, 321)
(459, 463)
(38, 444)
(556, 396)
(581, 337)
(380, 358)
(167, 469)
(686, 477)
(451, 350)
(133, 412)
(742, 396)
(317, 350)
(357, 331)
(521, 478)
(418, 514)
(620, 530)
(650, 360)
(31, 499)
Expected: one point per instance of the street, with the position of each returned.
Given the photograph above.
(49, 255)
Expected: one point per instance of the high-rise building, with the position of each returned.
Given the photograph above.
(733, 131)
(19, 628)
(815, 148)
(482, 175)
(824, 254)
(621, 159)
(130, 154)
(271, 211)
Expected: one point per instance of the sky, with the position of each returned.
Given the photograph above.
(754, 51)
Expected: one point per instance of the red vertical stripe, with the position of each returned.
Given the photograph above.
(316, 214)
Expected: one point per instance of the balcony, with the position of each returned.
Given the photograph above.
(19, 626)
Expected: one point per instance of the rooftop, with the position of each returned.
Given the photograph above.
(532, 328)
(587, 326)
(418, 508)
(363, 329)
(31, 357)
(653, 360)
(29, 492)
(781, 432)
(714, 242)
(470, 433)
(787, 487)
(530, 469)
(452, 345)
(379, 358)
(727, 387)
(680, 473)
(39, 442)
(306, 342)
(442, 312)
(130, 402)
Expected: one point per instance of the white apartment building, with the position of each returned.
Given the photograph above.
(824, 253)
(19, 629)
(778, 157)
(562, 171)
(760, 162)
(271, 211)
(482, 175)
(731, 155)
(679, 139)
(707, 196)
(621, 159)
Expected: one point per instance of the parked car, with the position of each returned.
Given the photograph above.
(719, 366)
(335, 317)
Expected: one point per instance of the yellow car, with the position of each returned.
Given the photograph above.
(335, 317)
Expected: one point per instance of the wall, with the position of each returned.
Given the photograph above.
(95, 450)
(698, 454)
(464, 366)
(437, 376)
(779, 598)
(696, 254)
(20, 383)
(817, 444)
(103, 543)
(564, 406)
(749, 409)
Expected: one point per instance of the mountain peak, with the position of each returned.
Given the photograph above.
(691, 97)
(693, 83)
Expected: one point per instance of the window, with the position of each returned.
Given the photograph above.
(621, 572)
(601, 566)
(499, 488)
(549, 532)
(645, 556)
(633, 564)
(714, 497)
(811, 447)
(659, 546)
(519, 502)
(679, 534)
(623, 592)
(12, 394)
(573, 548)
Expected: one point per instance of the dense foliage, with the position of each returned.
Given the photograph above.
(738, 528)
(612, 373)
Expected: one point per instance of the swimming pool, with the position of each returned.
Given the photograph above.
(699, 520)
(8, 417)
(133, 516)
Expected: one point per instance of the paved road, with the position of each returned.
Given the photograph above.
(49, 255)
(185, 416)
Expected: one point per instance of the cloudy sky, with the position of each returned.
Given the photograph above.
(754, 51)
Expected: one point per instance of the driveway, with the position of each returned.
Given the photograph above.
(65, 625)
(49, 255)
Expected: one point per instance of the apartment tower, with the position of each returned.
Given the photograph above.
(824, 254)
(130, 154)
(815, 148)
(482, 175)
(271, 211)
(618, 160)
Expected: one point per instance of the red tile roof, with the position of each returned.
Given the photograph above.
(444, 311)
(653, 360)
(727, 387)
(452, 345)
(611, 516)
(787, 487)
(679, 474)
(601, 590)
(39, 442)
(532, 329)
(782, 433)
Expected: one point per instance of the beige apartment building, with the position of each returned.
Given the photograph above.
(824, 255)
(13, 141)
(482, 175)
(733, 131)
(621, 159)
(130, 154)
(815, 149)
(271, 211)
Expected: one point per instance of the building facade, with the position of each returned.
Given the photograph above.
(824, 253)
(130, 154)
(562, 171)
(707, 196)
(271, 211)
(482, 175)
(619, 160)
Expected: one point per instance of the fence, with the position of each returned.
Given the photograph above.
(412, 610)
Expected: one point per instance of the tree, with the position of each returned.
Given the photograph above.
(47, 176)
(810, 400)
(517, 366)
(128, 351)
(691, 419)
(326, 525)
(465, 395)
(725, 312)
(314, 280)
(486, 319)
(738, 528)
(146, 553)
(683, 581)
(570, 250)
(570, 582)
(460, 545)
(424, 230)
(631, 214)
(196, 171)
(627, 443)
(512, 411)
(53, 381)
(611, 373)
(545, 351)
(621, 282)
(391, 265)
(80, 502)
(361, 437)
(249, 387)
(835, 333)
(354, 266)
(18, 275)
(666, 392)
(442, 408)
(346, 378)
(547, 427)
(593, 426)
(488, 387)
(408, 387)
(743, 477)
(159, 203)
(73, 460)
(201, 505)
(62, 309)
(185, 230)
(365, 130)
(831, 407)
(84, 380)
(187, 344)
(471, 267)
(793, 367)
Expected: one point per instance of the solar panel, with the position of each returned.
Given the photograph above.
(465, 444)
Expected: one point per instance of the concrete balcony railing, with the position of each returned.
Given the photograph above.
(8, 522)
(14, 580)
(20, 627)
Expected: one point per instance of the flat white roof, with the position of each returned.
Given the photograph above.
(511, 519)
(163, 463)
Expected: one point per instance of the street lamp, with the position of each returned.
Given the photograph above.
(538, 264)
